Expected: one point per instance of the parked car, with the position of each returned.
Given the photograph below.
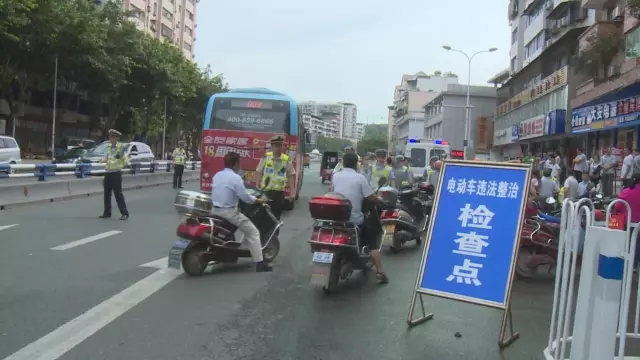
(72, 156)
(9, 150)
(137, 152)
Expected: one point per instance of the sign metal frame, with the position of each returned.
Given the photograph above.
(504, 339)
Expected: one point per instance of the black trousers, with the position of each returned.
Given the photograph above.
(112, 183)
(277, 202)
(177, 175)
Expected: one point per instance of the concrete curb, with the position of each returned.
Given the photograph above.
(13, 196)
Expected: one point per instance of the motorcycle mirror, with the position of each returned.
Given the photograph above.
(382, 181)
(598, 196)
(550, 200)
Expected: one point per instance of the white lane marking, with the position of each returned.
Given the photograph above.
(86, 240)
(5, 227)
(157, 264)
(66, 337)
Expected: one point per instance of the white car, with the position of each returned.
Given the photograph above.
(9, 150)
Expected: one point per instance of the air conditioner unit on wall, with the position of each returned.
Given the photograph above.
(613, 70)
(617, 13)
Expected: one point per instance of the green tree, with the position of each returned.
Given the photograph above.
(602, 48)
(372, 142)
(331, 144)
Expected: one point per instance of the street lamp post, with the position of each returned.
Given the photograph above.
(467, 124)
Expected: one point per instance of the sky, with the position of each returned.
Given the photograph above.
(349, 50)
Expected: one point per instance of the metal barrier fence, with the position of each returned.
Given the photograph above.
(82, 170)
(604, 317)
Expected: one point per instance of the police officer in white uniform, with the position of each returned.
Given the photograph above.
(227, 188)
(115, 160)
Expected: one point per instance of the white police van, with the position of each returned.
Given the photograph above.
(422, 151)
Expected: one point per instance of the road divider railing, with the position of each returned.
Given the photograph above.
(83, 170)
(73, 181)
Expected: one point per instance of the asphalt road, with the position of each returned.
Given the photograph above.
(234, 313)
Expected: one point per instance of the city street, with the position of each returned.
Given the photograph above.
(75, 287)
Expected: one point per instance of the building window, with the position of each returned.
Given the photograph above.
(187, 46)
(514, 36)
(136, 12)
(190, 15)
(632, 44)
(167, 14)
(513, 64)
(166, 31)
(188, 31)
(534, 45)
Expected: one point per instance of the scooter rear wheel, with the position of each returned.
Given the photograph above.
(193, 261)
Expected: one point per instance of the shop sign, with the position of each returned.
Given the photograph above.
(532, 128)
(608, 115)
(555, 122)
(549, 84)
(515, 132)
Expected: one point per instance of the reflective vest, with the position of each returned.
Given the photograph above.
(278, 177)
(561, 195)
(402, 177)
(113, 162)
(378, 173)
(179, 156)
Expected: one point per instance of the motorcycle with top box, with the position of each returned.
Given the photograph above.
(205, 238)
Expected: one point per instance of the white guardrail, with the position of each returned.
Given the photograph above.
(82, 170)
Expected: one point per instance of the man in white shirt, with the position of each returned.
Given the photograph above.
(580, 165)
(585, 186)
(608, 163)
(571, 186)
(356, 188)
(227, 188)
(548, 187)
(627, 168)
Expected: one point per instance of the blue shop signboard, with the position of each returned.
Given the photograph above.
(609, 113)
(515, 132)
(472, 245)
(554, 122)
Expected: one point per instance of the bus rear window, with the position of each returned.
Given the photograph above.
(251, 115)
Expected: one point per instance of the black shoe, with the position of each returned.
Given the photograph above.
(104, 216)
(180, 187)
(124, 217)
(263, 267)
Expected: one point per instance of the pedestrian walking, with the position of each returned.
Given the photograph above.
(115, 160)
(179, 158)
(274, 173)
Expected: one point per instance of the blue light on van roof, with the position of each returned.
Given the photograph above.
(412, 141)
(438, 141)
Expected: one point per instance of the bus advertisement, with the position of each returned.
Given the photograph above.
(243, 121)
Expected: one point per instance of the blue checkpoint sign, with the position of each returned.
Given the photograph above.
(474, 233)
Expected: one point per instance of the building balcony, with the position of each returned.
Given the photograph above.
(560, 7)
(598, 4)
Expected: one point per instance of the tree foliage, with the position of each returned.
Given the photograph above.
(126, 74)
(602, 48)
(331, 144)
(372, 142)
(633, 6)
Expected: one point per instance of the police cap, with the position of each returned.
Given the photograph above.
(381, 152)
(276, 139)
(113, 132)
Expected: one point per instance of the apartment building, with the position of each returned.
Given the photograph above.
(318, 126)
(171, 20)
(534, 93)
(406, 116)
(606, 106)
(359, 131)
(445, 116)
(345, 113)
